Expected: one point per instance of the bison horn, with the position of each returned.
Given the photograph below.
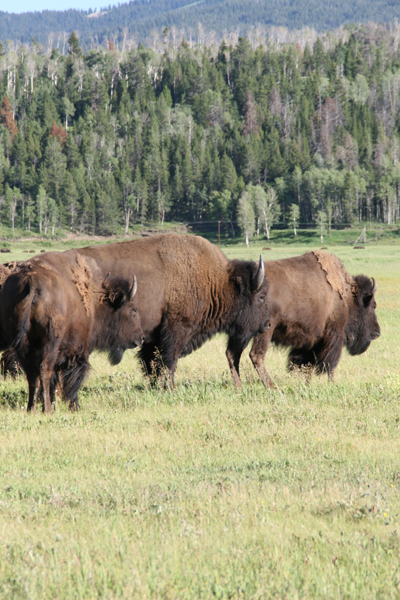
(258, 280)
(133, 289)
(374, 286)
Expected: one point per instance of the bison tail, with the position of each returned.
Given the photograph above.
(24, 320)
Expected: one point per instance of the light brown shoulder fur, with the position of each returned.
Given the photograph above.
(83, 280)
(335, 273)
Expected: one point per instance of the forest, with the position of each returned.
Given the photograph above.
(250, 133)
(142, 19)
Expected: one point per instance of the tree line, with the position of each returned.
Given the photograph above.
(144, 20)
(242, 132)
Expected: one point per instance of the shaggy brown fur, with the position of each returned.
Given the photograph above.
(83, 277)
(52, 331)
(336, 274)
(187, 291)
(315, 309)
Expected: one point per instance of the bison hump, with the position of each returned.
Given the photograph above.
(335, 273)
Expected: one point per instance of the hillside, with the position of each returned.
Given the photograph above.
(142, 18)
(245, 135)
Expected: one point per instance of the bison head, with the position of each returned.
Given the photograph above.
(362, 324)
(124, 329)
(250, 313)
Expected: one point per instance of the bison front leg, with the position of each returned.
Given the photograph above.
(233, 354)
(173, 339)
(258, 351)
(328, 353)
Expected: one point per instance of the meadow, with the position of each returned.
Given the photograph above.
(205, 491)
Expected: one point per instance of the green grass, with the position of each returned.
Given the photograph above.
(206, 492)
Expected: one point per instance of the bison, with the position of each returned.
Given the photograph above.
(315, 308)
(55, 310)
(8, 362)
(187, 291)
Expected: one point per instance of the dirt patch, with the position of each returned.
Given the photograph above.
(336, 274)
(83, 279)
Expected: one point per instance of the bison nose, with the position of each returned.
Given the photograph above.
(376, 333)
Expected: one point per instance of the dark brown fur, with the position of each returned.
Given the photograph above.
(187, 292)
(52, 330)
(311, 317)
(9, 361)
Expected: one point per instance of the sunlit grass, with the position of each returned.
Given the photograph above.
(205, 491)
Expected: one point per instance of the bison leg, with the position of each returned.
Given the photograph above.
(233, 354)
(152, 362)
(301, 357)
(328, 352)
(34, 390)
(45, 376)
(257, 354)
(160, 358)
(172, 341)
(147, 354)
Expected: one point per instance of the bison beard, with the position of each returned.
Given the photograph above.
(316, 308)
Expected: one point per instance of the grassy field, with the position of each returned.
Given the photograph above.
(206, 492)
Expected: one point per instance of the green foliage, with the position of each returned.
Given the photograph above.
(120, 138)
